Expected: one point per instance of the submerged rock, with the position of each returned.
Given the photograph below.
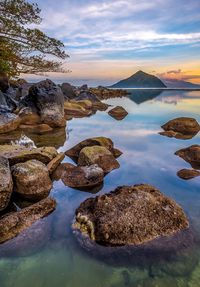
(188, 173)
(79, 176)
(16, 153)
(6, 183)
(130, 215)
(31, 180)
(119, 113)
(14, 223)
(74, 152)
(98, 155)
(190, 154)
(8, 122)
(181, 128)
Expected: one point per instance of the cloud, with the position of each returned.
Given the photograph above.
(123, 31)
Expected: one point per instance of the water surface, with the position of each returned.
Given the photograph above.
(50, 256)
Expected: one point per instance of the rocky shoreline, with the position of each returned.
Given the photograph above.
(129, 216)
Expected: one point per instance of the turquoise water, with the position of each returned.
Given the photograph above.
(47, 254)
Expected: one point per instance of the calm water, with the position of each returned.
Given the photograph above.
(47, 255)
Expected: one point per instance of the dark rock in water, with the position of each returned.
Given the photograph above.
(79, 176)
(98, 155)
(83, 88)
(31, 180)
(48, 99)
(16, 153)
(6, 183)
(68, 91)
(130, 215)
(119, 113)
(188, 173)
(14, 223)
(181, 128)
(8, 122)
(190, 154)
(74, 152)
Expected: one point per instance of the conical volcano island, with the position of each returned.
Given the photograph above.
(140, 80)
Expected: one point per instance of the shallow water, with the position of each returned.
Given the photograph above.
(51, 256)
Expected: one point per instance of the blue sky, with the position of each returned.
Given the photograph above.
(109, 40)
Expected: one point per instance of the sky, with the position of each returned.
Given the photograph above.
(110, 40)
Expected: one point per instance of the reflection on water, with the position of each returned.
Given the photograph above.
(51, 256)
(141, 96)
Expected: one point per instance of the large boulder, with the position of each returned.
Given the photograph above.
(14, 223)
(190, 154)
(181, 128)
(31, 180)
(74, 152)
(79, 176)
(118, 113)
(68, 91)
(6, 183)
(48, 99)
(8, 122)
(130, 215)
(98, 155)
(16, 153)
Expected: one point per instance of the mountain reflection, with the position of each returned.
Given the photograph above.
(141, 96)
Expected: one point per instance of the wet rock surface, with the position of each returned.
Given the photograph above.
(181, 128)
(118, 113)
(130, 215)
(14, 223)
(74, 152)
(191, 155)
(98, 155)
(31, 180)
(79, 176)
(188, 173)
(52, 165)
(6, 183)
(16, 153)
(8, 122)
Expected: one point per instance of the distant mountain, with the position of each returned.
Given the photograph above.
(173, 83)
(140, 80)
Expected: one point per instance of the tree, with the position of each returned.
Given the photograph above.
(24, 49)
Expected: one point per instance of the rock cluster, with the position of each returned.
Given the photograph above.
(25, 175)
(41, 107)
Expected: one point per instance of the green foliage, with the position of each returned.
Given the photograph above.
(24, 49)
